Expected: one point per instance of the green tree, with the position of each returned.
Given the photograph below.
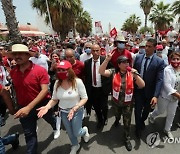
(161, 16)
(176, 9)
(84, 23)
(142, 30)
(146, 5)
(63, 13)
(131, 24)
(11, 21)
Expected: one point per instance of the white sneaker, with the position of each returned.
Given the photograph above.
(74, 149)
(169, 134)
(151, 119)
(86, 136)
(56, 134)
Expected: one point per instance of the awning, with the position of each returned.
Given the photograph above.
(26, 33)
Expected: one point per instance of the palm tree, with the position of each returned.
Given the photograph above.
(63, 13)
(84, 23)
(131, 24)
(161, 16)
(11, 21)
(146, 5)
(176, 8)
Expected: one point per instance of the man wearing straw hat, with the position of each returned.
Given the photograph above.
(31, 87)
(120, 50)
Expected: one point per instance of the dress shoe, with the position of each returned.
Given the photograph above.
(15, 143)
(128, 145)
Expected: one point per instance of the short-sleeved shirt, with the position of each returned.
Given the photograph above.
(28, 84)
(116, 54)
(70, 97)
(78, 69)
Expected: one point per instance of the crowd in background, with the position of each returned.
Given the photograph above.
(86, 52)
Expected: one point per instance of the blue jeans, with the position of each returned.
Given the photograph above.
(29, 124)
(5, 141)
(74, 126)
(2, 148)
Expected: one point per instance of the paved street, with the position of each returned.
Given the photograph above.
(107, 141)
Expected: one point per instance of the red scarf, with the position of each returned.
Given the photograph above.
(117, 86)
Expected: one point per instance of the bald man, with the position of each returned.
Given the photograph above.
(98, 87)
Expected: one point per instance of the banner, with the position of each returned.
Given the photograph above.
(113, 32)
(98, 27)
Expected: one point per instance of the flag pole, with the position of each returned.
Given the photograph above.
(49, 17)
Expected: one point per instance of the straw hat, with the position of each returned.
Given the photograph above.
(20, 48)
(120, 38)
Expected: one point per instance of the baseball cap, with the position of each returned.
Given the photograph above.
(64, 64)
(159, 47)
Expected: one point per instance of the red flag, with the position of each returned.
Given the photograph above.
(113, 32)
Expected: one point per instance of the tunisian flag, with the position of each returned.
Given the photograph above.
(113, 32)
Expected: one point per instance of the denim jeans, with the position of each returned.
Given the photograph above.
(74, 126)
(2, 148)
(29, 124)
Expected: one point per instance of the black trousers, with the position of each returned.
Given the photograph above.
(99, 101)
(142, 108)
(2, 107)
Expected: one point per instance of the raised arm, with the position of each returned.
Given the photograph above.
(102, 69)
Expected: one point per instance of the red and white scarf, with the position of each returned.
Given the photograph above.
(117, 86)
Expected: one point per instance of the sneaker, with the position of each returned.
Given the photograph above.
(151, 119)
(3, 121)
(15, 143)
(86, 136)
(56, 134)
(169, 134)
(74, 149)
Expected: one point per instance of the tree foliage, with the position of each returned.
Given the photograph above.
(146, 5)
(64, 13)
(11, 21)
(161, 16)
(131, 24)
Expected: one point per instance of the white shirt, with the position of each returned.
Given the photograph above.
(98, 76)
(171, 35)
(84, 57)
(70, 97)
(41, 60)
(3, 76)
(168, 83)
(165, 50)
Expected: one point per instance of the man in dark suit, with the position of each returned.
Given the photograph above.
(97, 86)
(151, 68)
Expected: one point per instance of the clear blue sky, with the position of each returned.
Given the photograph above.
(106, 11)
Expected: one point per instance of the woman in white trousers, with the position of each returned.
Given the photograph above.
(170, 93)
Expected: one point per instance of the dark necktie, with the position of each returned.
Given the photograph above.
(145, 66)
(94, 73)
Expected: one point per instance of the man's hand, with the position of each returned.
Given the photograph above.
(23, 112)
(153, 102)
(109, 56)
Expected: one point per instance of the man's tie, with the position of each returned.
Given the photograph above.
(145, 66)
(94, 73)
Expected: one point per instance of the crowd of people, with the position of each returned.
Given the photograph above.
(64, 81)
